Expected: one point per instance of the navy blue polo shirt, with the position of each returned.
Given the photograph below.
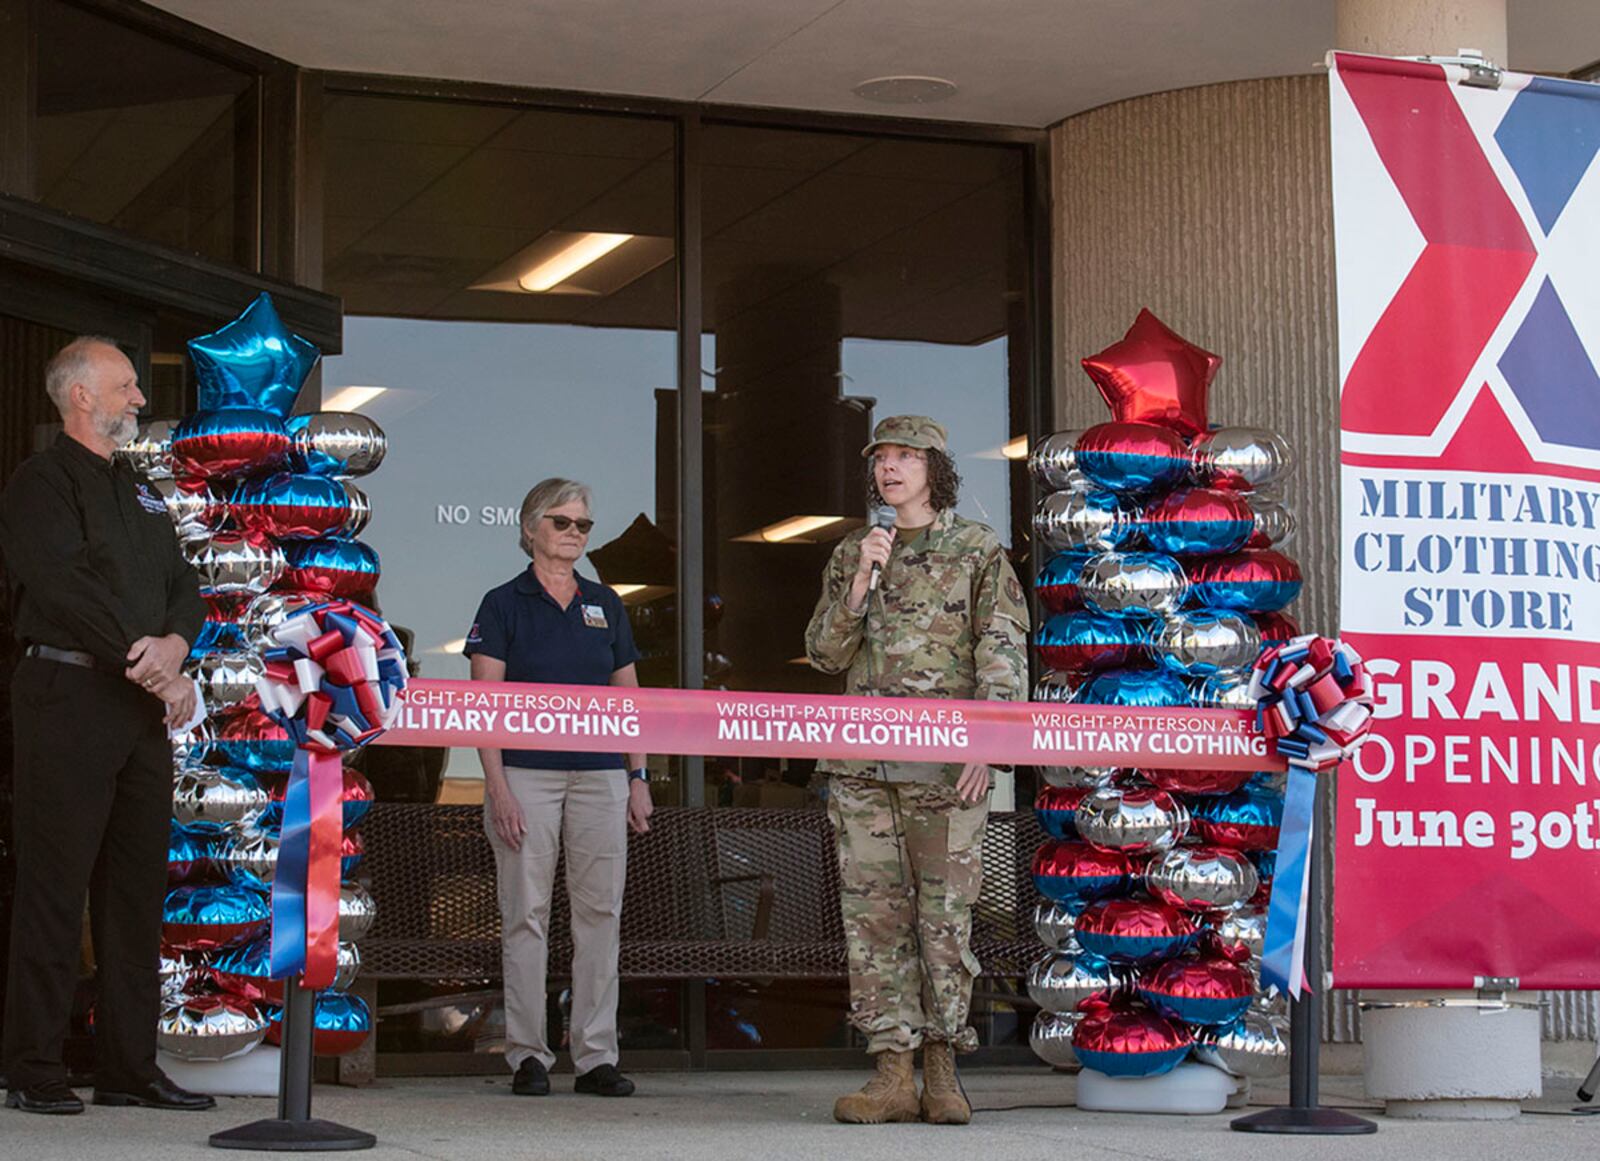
(521, 624)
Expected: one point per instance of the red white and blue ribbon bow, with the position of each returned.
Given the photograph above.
(334, 675)
(1314, 702)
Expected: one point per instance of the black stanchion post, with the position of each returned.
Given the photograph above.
(294, 1130)
(1303, 1114)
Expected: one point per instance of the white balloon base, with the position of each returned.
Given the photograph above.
(253, 1074)
(1191, 1089)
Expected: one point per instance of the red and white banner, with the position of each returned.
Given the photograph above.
(604, 719)
(1467, 233)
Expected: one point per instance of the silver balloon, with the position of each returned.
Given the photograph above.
(1057, 686)
(179, 974)
(249, 853)
(1202, 642)
(1076, 776)
(226, 678)
(231, 563)
(357, 912)
(354, 440)
(194, 509)
(1241, 931)
(1132, 819)
(1239, 457)
(1133, 582)
(1056, 927)
(349, 965)
(149, 452)
(1059, 982)
(1275, 522)
(358, 509)
(1274, 1006)
(211, 1027)
(1081, 520)
(1051, 1038)
(1252, 1046)
(1225, 691)
(1054, 463)
(223, 797)
(266, 612)
(1201, 878)
(189, 748)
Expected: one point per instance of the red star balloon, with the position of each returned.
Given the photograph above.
(1155, 376)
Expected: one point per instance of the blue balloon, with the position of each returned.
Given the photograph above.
(1131, 458)
(1132, 1064)
(1135, 687)
(252, 362)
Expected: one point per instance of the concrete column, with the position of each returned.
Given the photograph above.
(1455, 1062)
(1422, 27)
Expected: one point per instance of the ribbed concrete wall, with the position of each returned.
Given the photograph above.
(1212, 206)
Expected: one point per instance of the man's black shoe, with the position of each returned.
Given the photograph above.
(157, 1094)
(604, 1080)
(51, 1096)
(531, 1079)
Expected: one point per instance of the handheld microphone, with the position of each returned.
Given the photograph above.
(882, 517)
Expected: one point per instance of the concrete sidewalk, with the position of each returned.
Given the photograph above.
(745, 1116)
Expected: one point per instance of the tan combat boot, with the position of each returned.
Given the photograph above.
(943, 1102)
(891, 1095)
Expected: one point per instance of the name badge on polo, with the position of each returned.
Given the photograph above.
(148, 499)
(595, 617)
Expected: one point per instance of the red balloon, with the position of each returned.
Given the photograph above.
(1153, 375)
(1276, 628)
(1197, 781)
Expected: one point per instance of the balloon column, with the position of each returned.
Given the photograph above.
(1166, 579)
(266, 512)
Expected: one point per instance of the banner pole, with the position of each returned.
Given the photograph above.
(1303, 1115)
(294, 1130)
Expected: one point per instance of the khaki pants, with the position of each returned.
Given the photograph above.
(587, 812)
(910, 869)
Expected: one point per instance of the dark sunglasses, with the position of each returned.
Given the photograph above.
(563, 523)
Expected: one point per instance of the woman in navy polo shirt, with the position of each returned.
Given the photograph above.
(551, 625)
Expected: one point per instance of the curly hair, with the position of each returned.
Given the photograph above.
(944, 481)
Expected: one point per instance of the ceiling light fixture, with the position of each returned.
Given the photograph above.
(351, 398)
(1017, 449)
(906, 90)
(801, 530)
(586, 251)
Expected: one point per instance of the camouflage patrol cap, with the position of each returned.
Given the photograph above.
(908, 431)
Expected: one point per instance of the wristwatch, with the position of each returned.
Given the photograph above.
(642, 774)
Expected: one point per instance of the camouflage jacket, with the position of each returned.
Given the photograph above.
(948, 620)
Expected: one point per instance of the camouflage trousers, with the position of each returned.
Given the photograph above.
(895, 892)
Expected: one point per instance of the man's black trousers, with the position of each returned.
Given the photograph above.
(93, 804)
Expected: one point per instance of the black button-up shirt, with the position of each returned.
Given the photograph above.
(91, 556)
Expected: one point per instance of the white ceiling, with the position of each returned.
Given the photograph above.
(1017, 62)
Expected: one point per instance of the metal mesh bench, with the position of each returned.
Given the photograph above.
(725, 893)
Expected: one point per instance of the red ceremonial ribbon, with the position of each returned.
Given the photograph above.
(326, 776)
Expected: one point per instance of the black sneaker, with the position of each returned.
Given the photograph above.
(604, 1080)
(531, 1079)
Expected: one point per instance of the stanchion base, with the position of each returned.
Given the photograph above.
(1310, 1122)
(275, 1136)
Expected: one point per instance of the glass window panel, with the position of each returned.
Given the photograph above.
(145, 135)
(847, 278)
(440, 215)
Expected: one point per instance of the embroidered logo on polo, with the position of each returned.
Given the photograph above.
(148, 498)
(473, 636)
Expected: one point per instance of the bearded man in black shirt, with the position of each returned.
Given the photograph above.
(104, 607)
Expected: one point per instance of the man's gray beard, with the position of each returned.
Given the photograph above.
(118, 430)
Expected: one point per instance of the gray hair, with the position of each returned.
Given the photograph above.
(548, 494)
(70, 364)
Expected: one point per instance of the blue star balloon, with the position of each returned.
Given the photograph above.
(253, 362)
